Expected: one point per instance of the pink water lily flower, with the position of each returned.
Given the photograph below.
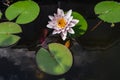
(62, 23)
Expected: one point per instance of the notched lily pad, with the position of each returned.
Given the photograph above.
(81, 27)
(23, 11)
(56, 61)
(108, 11)
(7, 31)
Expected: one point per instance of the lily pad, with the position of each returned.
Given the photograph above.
(23, 11)
(58, 60)
(81, 27)
(7, 31)
(108, 11)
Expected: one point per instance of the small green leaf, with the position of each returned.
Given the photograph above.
(0, 14)
(56, 61)
(108, 11)
(7, 29)
(23, 11)
(81, 27)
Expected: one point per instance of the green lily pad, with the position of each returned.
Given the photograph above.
(7, 31)
(81, 27)
(108, 11)
(56, 61)
(23, 11)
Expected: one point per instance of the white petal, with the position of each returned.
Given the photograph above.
(68, 14)
(63, 35)
(60, 12)
(63, 30)
(51, 17)
(75, 21)
(71, 31)
(71, 25)
(49, 26)
(51, 23)
(55, 15)
(56, 28)
(68, 28)
(56, 32)
(69, 19)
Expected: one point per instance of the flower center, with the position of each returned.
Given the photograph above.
(61, 23)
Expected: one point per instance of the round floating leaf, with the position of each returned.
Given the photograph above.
(7, 29)
(108, 11)
(81, 27)
(23, 11)
(56, 61)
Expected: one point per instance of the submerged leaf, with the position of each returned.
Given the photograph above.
(108, 11)
(56, 61)
(23, 11)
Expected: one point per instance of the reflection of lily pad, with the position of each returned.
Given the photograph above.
(56, 61)
(7, 29)
(108, 11)
(81, 27)
(22, 11)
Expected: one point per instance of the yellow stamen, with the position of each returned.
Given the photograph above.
(61, 23)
